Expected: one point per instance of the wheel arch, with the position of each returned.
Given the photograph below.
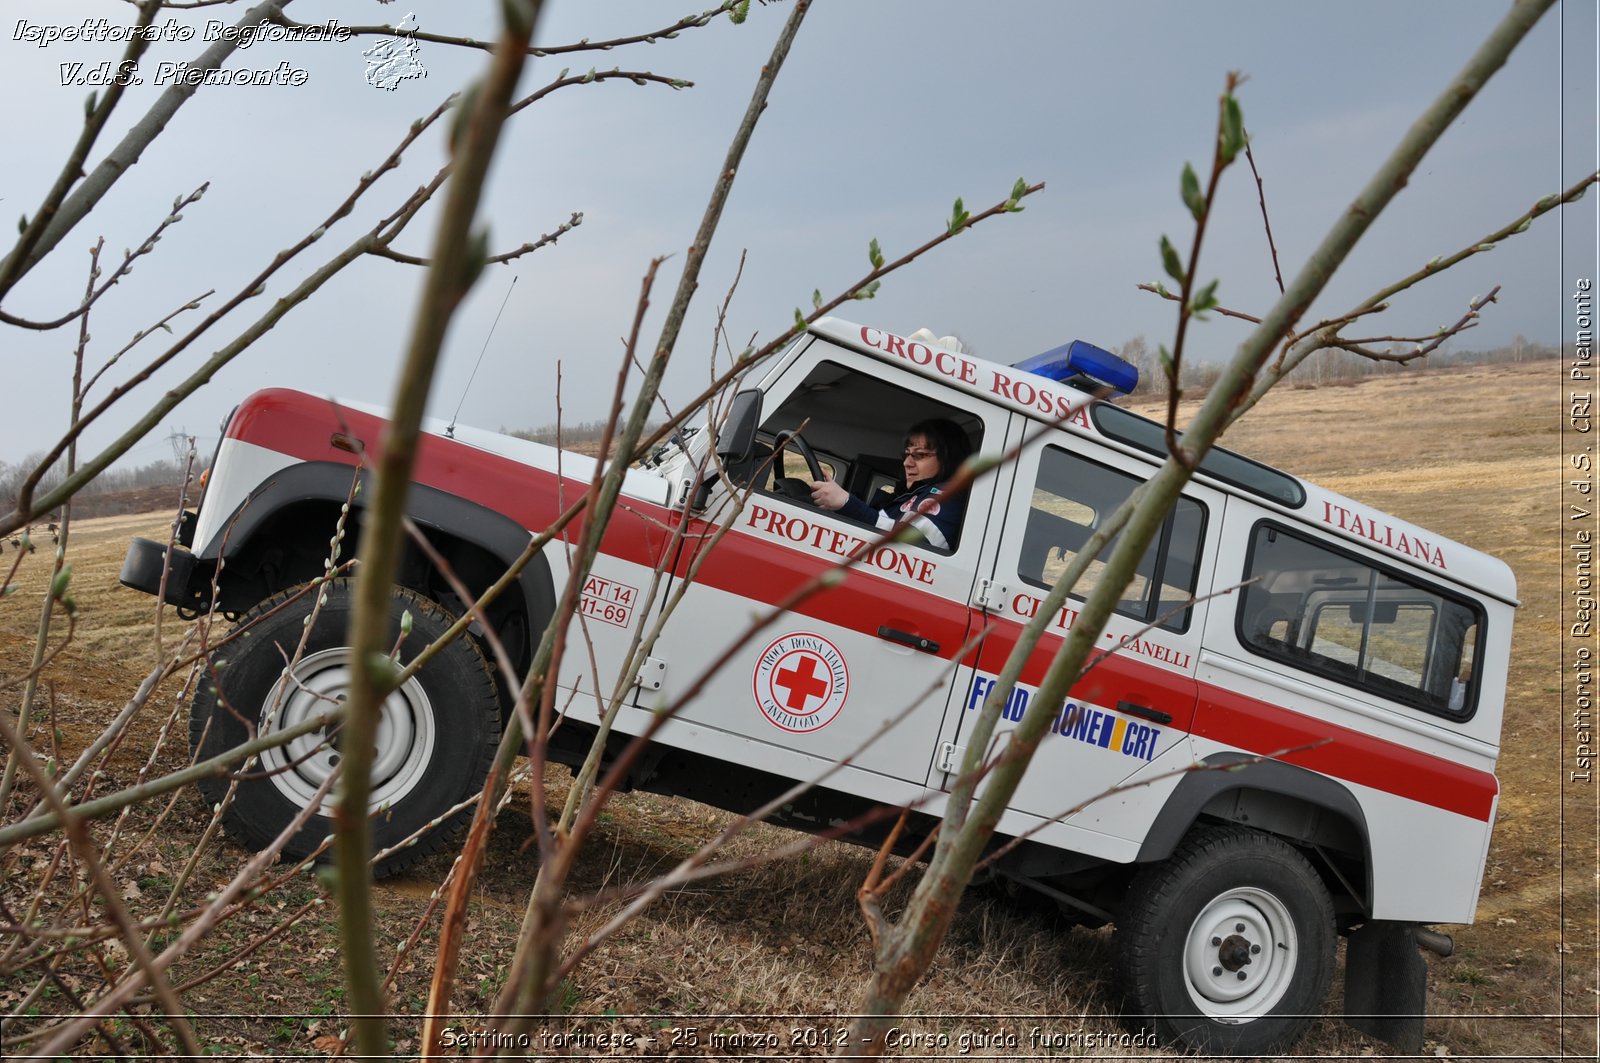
(279, 537)
(1292, 802)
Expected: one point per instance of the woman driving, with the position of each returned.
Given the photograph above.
(934, 450)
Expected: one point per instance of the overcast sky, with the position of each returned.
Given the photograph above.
(885, 112)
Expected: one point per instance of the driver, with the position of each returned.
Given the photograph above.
(934, 450)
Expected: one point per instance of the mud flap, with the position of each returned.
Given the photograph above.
(1386, 984)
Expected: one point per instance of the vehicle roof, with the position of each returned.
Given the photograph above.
(1051, 402)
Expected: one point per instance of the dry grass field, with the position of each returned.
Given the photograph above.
(1472, 453)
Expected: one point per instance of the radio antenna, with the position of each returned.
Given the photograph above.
(450, 429)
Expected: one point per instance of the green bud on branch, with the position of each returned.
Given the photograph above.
(1018, 190)
(1189, 186)
(1170, 261)
(958, 217)
(1233, 137)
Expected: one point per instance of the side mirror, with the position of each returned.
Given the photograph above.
(738, 434)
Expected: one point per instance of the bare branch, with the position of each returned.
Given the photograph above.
(33, 234)
(1422, 346)
(1517, 225)
(56, 218)
(27, 507)
(1156, 288)
(1186, 305)
(1313, 340)
(689, 22)
(1266, 219)
(384, 251)
(121, 271)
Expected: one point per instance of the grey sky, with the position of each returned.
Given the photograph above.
(886, 111)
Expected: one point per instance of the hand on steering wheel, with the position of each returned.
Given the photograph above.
(789, 486)
(813, 466)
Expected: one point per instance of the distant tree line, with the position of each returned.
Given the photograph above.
(582, 436)
(163, 473)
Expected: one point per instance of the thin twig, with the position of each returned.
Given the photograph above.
(538, 51)
(1266, 219)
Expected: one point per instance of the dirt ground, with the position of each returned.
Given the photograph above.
(1473, 453)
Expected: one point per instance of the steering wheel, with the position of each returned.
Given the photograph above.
(790, 486)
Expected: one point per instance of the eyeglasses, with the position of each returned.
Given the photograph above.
(918, 454)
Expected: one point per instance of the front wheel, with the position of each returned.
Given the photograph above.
(436, 734)
(1228, 945)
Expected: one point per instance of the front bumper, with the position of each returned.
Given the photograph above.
(188, 584)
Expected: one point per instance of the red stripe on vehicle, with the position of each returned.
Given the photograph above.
(749, 566)
(1255, 726)
(1260, 727)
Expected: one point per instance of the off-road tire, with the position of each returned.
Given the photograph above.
(1181, 951)
(436, 739)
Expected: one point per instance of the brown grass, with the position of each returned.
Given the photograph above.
(1473, 453)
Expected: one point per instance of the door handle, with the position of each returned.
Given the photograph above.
(906, 638)
(1144, 712)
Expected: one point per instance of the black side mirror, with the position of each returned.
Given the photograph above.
(738, 434)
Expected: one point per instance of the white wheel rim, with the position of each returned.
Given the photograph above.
(405, 738)
(1240, 955)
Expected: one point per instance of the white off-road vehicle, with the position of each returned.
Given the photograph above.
(1374, 649)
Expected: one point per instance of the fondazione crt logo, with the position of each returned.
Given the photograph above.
(389, 61)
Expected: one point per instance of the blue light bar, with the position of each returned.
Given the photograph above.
(1083, 359)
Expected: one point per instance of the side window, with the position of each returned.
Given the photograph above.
(855, 424)
(1335, 615)
(1072, 496)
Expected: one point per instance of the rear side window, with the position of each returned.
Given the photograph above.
(1072, 497)
(1324, 611)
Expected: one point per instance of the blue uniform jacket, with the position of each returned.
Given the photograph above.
(924, 506)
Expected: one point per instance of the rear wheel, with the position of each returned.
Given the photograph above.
(435, 740)
(1228, 946)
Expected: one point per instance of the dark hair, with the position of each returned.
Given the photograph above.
(946, 439)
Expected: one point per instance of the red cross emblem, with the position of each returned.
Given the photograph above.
(800, 682)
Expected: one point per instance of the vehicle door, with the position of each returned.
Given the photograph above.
(859, 671)
(1129, 716)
